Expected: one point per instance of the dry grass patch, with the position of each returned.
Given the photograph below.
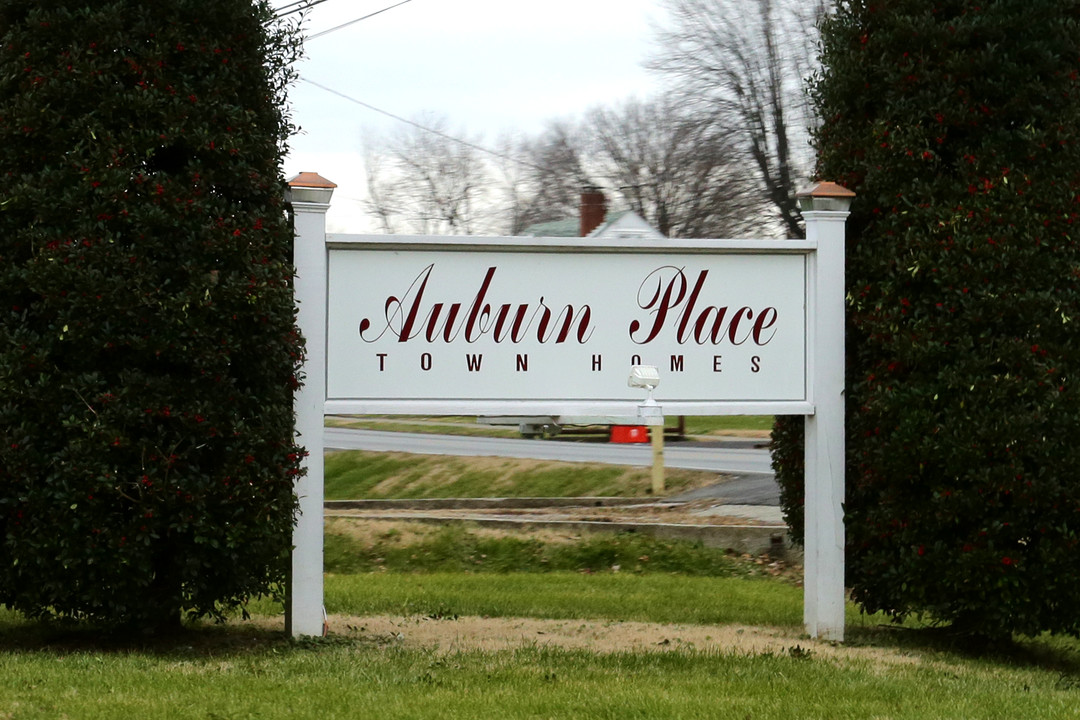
(448, 635)
(500, 474)
(397, 532)
(369, 532)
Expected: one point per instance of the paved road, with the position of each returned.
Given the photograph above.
(754, 483)
(714, 458)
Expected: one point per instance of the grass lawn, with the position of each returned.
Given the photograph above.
(457, 570)
(620, 628)
(349, 679)
(355, 474)
(726, 424)
(567, 595)
(247, 672)
(355, 547)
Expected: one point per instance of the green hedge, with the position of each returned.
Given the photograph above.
(148, 347)
(958, 125)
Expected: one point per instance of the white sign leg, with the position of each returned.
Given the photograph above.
(310, 201)
(825, 212)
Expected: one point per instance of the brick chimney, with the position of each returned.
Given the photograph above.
(593, 209)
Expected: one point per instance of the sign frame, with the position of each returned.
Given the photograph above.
(825, 211)
(338, 245)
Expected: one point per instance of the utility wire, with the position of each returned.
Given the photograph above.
(299, 6)
(418, 126)
(351, 22)
(283, 8)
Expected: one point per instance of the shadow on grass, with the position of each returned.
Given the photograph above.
(1053, 653)
(200, 639)
(263, 636)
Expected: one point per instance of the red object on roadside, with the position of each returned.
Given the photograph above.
(629, 434)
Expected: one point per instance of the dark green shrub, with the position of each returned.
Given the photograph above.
(787, 450)
(147, 346)
(958, 125)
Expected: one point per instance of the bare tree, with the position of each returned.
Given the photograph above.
(377, 203)
(512, 184)
(422, 180)
(678, 170)
(744, 63)
(541, 177)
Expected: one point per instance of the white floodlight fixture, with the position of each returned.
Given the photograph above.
(644, 376)
(648, 377)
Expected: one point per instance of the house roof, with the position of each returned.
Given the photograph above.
(553, 228)
(625, 223)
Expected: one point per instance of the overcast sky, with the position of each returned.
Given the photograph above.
(488, 66)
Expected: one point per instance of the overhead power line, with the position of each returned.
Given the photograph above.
(351, 22)
(418, 126)
(283, 8)
(296, 7)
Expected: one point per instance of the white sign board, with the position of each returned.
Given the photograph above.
(496, 325)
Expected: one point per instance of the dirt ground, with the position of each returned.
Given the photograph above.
(447, 635)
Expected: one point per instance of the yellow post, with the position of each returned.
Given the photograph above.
(656, 433)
